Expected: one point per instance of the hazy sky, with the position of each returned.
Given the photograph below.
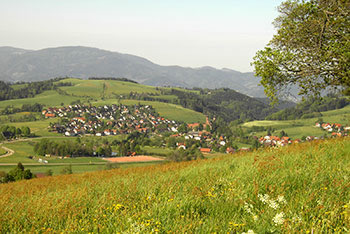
(191, 33)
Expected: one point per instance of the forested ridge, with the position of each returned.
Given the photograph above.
(311, 108)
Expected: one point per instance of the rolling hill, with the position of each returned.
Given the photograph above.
(83, 62)
(180, 104)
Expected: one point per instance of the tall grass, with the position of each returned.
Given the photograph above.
(300, 188)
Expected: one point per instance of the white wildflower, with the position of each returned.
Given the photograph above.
(255, 217)
(249, 232)
(248, 208)
(273, 204)
(264, 198)
(281, 200)
(278, 219)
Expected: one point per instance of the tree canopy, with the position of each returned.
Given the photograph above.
(311, 48)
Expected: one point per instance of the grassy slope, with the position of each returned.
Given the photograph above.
(48, 98)
(39, 128)
(305, 127)
(2, 151)
(171, 111)
(216, 195)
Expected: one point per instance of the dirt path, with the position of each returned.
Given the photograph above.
(9, 152)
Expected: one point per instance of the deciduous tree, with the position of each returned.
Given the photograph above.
(311, 48)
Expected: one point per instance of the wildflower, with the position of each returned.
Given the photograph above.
(273, 204)
(264, 198)
(278, 219)
(248, 208)
(281, 200)
(255, 217)
(249, 232)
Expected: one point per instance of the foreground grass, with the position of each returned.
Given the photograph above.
(301, 188)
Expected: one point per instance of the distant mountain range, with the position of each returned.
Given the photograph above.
(84, 62)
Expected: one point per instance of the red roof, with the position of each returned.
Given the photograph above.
(193, 125)
(205, 150)
(49, 115)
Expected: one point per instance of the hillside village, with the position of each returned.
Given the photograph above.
(107, 120)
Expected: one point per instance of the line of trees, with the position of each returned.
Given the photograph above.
(10, 109)
(113, 78)
(72, 148)
(10, 132)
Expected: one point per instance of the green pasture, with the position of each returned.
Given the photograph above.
(39, 128)
(18, 86)
(2, 151)
(22, 149)
(56, 169)
(48, 98)
(171, 111)
(84, 88)
(122, 87)
(104, 88)
(304, 127)
(149, 150)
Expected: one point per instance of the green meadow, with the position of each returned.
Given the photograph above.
(105, 88)
(304, 127)
(171, 111)
(2, 151)
(302, 188)
(48, 98)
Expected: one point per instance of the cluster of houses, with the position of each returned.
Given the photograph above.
(204, 137)
(107, 120)
(334, 128)
(337, 130)
(276, 141)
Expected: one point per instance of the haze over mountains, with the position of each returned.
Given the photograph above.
(82, 62)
